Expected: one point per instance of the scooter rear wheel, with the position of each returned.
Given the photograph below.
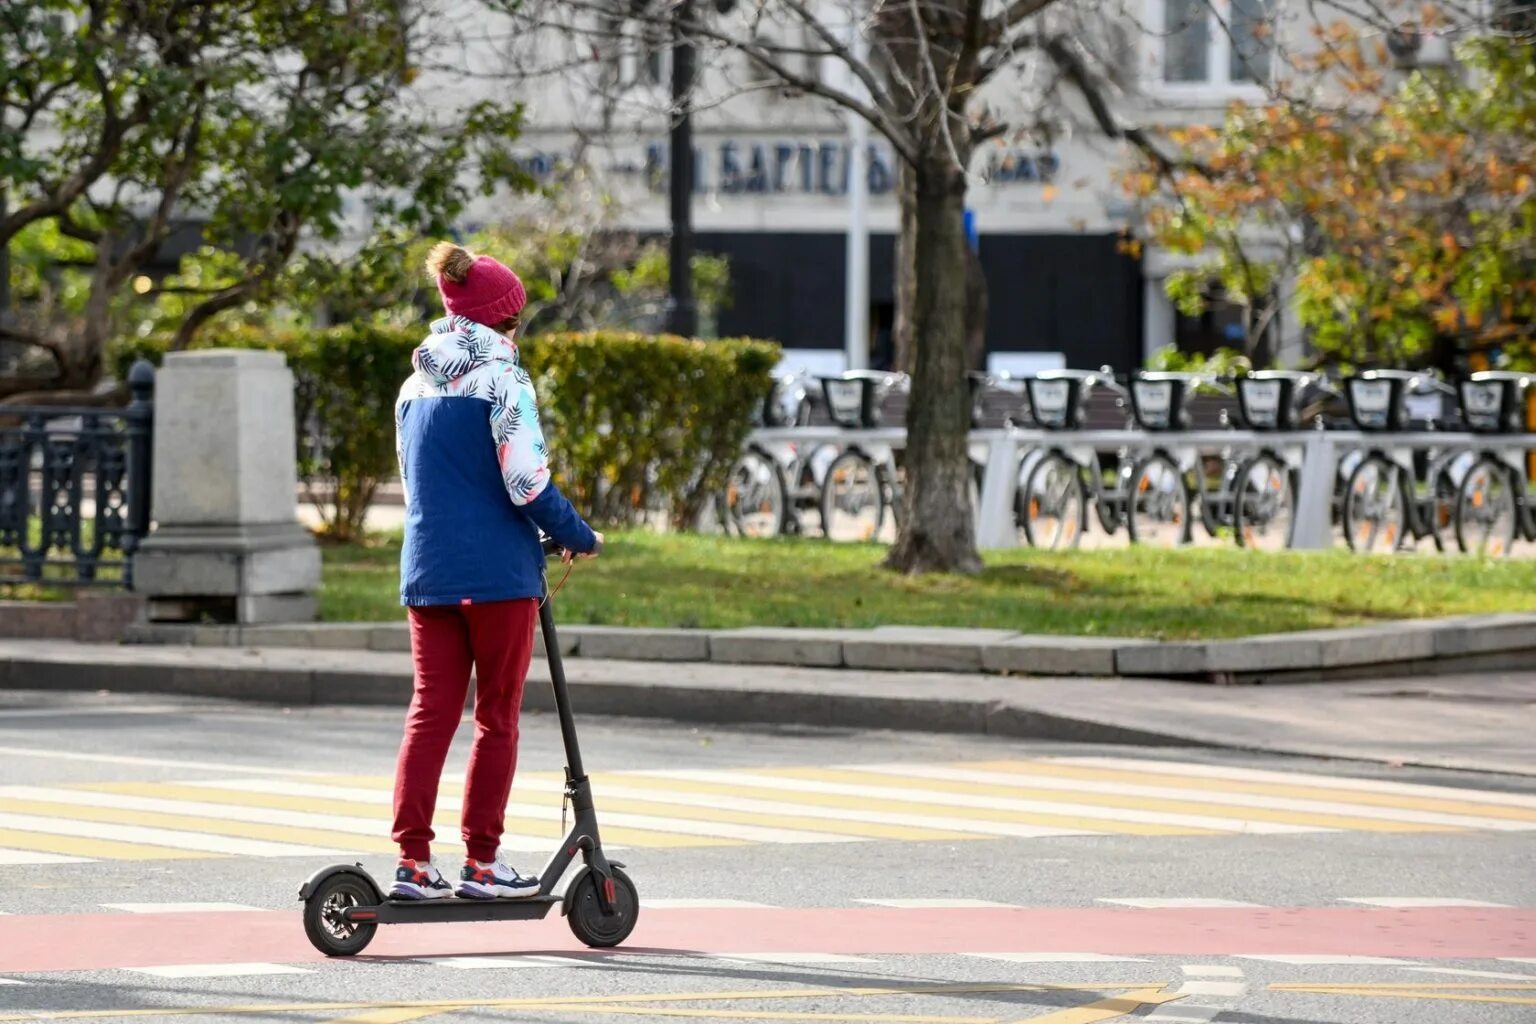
(323, 923)
(585, 912)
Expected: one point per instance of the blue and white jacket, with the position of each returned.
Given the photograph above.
(476, 473)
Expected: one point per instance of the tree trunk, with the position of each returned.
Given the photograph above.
(938, 533)
(906, 269)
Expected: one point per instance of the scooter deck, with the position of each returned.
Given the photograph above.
(428, 911)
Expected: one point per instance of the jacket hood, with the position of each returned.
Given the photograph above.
(458, 346)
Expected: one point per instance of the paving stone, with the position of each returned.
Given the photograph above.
(639, 644)
(767, 646)
(322, 635)
(1055, 655)
(917, 648)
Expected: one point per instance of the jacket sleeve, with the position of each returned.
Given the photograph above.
(524, 461)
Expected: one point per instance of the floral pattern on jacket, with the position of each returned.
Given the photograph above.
(464, 359)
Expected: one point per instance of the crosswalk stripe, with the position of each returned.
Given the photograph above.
(821, 780)
(1062, 822)
(21, 857)
(188, 820)
(218, 970)
(178, 908)
(1298, 787)
(936, 903)
(618, 791)
(1140, 767)
(749, 833)
(161, 837)
(525, 832)
(1416, 901)
(86, 848)
(1154, 798)
(1334, 814)
(1185, 903)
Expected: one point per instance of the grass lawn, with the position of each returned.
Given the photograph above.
(678, 580)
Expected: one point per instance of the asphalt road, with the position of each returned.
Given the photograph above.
(151, 850)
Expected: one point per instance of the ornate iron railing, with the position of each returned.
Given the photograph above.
(74, 489)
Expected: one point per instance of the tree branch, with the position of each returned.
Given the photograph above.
(995, 28)
(1071, 64)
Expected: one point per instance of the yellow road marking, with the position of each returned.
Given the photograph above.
(1300, 790)
(95, 849)
(199, 823)
(912, 784)
(1506, 994)
(522, 826)
(654, 803)
(937, 806)
(389, 1015)
(711, 1013)
(1106, 1009)
(586, 1003)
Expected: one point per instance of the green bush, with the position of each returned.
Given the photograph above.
(634, 421)
(641, 421)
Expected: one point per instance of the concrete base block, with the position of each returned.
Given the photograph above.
(324, 635)
(617, 642)
(254, 574)
(815, 648)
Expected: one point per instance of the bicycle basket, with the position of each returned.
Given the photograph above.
(1157, 401)
(1054, 401)
(1267, 399)
(854, 400)
(1493, 402)
(1376, 400)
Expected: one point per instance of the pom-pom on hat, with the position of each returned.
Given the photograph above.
(479, 288)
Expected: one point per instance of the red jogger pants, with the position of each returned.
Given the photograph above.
(496, 640)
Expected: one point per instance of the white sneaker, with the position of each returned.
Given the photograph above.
(479, 880)
(419, 880)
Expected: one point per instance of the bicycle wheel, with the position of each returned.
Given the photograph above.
(1375, 513)
(1265, 492)
(852, 498)
(1051, 506)
(756, 498)
(1157, 511)
(1487, 516)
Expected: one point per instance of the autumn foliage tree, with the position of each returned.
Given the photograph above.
(1399, 208)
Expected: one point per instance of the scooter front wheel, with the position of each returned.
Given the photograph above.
(584, 910)
(328, 931)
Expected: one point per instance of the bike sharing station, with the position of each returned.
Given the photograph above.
(1271, 459)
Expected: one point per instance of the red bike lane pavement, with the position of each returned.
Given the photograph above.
(83, 942)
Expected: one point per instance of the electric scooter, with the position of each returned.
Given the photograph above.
(343, 905)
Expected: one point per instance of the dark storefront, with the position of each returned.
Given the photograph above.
(1073, 294)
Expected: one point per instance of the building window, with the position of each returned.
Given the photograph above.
(1218, 44)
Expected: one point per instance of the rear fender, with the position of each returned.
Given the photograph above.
(316, 880)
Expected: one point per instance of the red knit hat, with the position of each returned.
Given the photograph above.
(489, 293)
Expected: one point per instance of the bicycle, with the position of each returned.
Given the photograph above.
(1386, 501)
(1266, 481)
(1051, 508)
(769, 489)
(1161, 503)
(861, 486)
(1492, 509)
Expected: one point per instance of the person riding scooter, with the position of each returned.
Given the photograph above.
(475, 469)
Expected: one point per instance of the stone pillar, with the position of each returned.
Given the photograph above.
(226, 544)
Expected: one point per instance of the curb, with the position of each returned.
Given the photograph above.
(289, 677)
(683, 692)
(1406, 647)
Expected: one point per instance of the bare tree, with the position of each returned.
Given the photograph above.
(921, 87)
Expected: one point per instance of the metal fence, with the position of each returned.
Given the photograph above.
(74, 489)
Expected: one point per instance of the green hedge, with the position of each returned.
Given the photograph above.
(634, 421)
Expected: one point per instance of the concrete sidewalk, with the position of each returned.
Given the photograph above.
(1483, 722)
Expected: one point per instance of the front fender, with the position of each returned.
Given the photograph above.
(319, 878)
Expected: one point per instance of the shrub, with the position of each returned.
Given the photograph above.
(635, 421)
(642, 421)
